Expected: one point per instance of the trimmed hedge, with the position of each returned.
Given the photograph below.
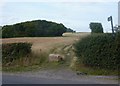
(14, 51)
(99, 50)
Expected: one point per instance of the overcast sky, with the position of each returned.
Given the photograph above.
(119, 13)
(74, 14)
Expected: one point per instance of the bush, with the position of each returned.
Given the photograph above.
(99, 50)
(14, 51)
(96, 27)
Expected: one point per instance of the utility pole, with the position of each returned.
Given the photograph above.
(110, 19)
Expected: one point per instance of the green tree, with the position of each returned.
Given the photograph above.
(70, 30)
(36, 28)
(96, 27)
(117, 28)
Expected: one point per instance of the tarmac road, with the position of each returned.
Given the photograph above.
(16, 79)
(53, 77)
(59, 76)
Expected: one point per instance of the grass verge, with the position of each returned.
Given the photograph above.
(95, 71)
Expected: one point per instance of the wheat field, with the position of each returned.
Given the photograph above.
(47, 43)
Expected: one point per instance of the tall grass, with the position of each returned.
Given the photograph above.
(28, 63)
(17, 55)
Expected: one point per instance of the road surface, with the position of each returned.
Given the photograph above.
(55, 77)
(10, 79)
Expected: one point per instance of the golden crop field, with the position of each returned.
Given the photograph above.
(46, 43)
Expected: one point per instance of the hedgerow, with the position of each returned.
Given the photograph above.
(99, 50)
(13, 51)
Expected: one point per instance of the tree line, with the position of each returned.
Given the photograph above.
(36, 28)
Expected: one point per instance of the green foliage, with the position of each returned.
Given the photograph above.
(70, 30)
(99, 50)
(37, 28)
(14, 51)
(96, 27)
(117, 28)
